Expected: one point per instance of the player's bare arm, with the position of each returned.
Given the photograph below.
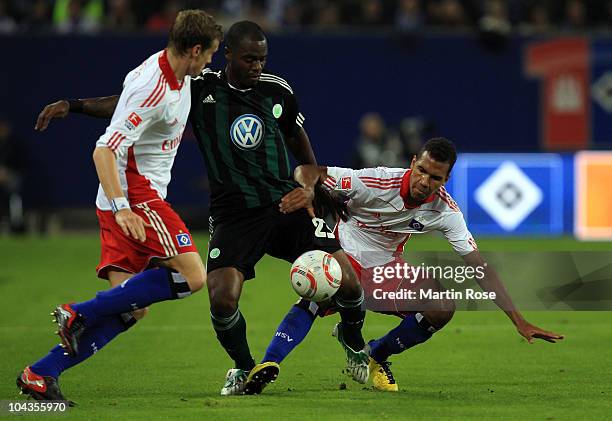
(491, 283)
(307, 176)
(301, 149)
(102, 107)
(106, 167)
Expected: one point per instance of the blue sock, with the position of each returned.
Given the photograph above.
(93, 340)
(141, 290)
(408, 334)
(292, 330)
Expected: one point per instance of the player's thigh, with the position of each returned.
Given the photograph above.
(400, 295)
(392, 288)
(190, 266)
(118, 277)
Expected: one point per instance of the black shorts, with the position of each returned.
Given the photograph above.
(240, 239)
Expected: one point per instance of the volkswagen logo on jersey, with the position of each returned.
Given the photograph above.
(247, 131)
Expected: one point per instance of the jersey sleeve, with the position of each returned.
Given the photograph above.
(456, 232)
(138, 108)
(291, 120)
(349, 182)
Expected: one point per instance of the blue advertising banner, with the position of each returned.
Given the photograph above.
(601, 93)
(511, 194)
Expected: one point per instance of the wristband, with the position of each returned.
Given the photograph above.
(119, 203)
(75, 105)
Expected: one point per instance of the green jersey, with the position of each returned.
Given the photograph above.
(242, 135)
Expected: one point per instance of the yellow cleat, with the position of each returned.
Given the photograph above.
(260, 376)
(382, 377)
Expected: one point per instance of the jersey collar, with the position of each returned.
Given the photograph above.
(224, 76)
(167, 71)
(405, 191)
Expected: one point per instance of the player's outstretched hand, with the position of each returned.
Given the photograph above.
(132, 225)
(58, 109)
(297, 198)
(531, 332)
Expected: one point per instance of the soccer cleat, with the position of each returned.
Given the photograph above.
(71, 327)
(40, 388)
(356, 361)
(234, 382)
(260, 376)
(382, 377)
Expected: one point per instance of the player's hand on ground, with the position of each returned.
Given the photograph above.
(531, 332)
(58, 109)
(132, 225)
(297, 198)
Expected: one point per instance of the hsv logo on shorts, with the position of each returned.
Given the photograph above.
(133, 121)
(345, 183)
(183, 240)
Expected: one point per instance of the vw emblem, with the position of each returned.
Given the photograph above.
(247, 131)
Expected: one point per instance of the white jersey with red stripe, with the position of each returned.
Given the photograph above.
(380, 223)
(146, 129)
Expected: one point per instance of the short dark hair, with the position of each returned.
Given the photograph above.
(239, 31)
(440, 149)
(193, 27)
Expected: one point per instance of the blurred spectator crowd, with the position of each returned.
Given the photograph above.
(380, 144)
(505, 16)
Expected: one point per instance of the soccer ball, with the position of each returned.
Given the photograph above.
(316, 275)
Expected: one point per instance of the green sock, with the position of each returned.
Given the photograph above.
(231, 332)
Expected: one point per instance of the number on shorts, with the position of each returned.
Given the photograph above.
(320, 225)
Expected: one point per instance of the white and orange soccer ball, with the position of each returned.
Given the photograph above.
(316, 275)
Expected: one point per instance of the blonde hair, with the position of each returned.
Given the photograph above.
(193, 27)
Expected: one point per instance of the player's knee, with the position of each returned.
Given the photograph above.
(196, 281)
(190, 268)
(223, 306)
(139, 314)
(350, 292)
(450, 307)
(224, 287)
(194, 275)
(439, 318)
(222, 301)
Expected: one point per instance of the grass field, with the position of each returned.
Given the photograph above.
(171, 366)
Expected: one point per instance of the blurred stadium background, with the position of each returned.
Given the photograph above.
(527, 82)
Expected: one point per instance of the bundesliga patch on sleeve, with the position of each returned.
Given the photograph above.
(183, 240)
(345, 183)
(133, 121)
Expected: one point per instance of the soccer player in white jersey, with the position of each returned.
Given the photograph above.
(147, 253)
(385, 207)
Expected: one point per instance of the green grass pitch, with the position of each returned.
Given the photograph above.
(171, 366)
